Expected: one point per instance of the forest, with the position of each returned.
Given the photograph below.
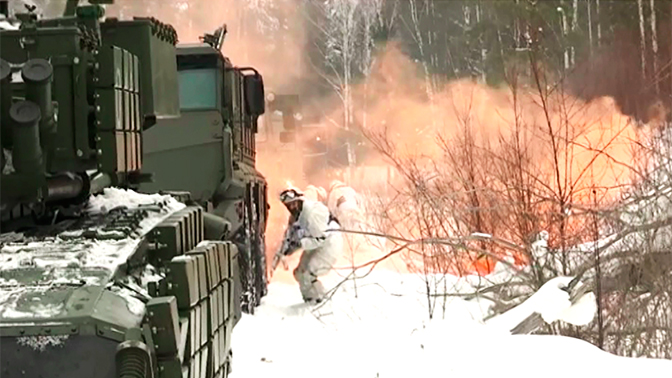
(611, 48)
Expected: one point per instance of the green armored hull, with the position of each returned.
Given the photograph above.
(210, 151)
(117, 286)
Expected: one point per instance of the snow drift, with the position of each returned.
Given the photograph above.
(384, 331)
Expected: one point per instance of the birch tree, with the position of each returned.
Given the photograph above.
(345, 45)
(575, 24)
(599, 23)
(378, 19)
(589, 21)
(565, 50)
(425, 60)
(654, 45)
(642, 38)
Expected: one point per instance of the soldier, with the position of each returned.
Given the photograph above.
(315, 193)
(343, 204)
(309, 222)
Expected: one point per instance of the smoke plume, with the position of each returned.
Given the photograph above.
(573, 142)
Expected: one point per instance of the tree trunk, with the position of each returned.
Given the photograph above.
(415, 16)
(642, 38)
(347, 90)
(575, 24)
(590, 26)
(599, 23)
(598, 277)
(432, 37)
(654, 46)
(479, 10)
(501, 44)
(516, 28)
(367, 67)
(563, 15)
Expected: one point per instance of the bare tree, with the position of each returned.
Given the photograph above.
(345, 45)
(462, 214)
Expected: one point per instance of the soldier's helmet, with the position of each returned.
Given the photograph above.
(290, 195)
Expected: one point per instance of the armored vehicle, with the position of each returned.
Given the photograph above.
(317, 148)
(286, 132)
(210, 152)
(96, 279)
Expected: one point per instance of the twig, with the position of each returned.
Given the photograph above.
(453, 242)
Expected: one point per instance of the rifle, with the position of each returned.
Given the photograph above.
(291, 242)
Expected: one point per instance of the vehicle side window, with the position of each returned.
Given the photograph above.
(198, 89)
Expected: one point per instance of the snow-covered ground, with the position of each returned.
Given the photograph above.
(384, 331)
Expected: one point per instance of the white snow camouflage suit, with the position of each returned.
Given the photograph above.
(343, 203)
(321, 249)
(315, 193)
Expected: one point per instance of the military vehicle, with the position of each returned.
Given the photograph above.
(97, 280)
(286, 132)
(319, 152)
(210, 151)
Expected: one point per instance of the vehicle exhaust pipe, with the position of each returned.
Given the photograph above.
(26, 150)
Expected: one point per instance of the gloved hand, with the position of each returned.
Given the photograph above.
(294, 244)
(277, 260)
(299, 232)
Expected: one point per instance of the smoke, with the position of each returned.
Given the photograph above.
(267, 35)
(615, 70)
(572, 146)
(586, 135)
(573, 142)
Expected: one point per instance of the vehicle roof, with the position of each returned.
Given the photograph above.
(196, 49)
